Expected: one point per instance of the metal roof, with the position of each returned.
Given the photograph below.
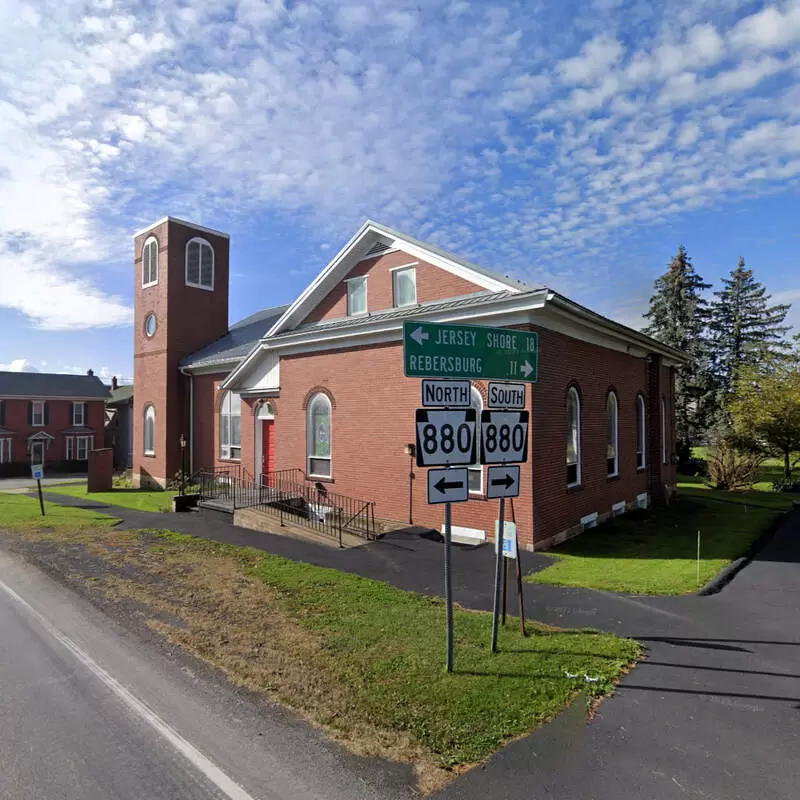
(120, 394)
(237, 343)
(45, 384)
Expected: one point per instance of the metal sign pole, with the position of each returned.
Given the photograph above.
(497, 572)
(41, 499)
(448, 587)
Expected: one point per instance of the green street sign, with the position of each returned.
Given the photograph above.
(434, 350)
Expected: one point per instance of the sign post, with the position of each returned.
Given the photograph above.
(498, 572)
(37, 470)
(448, 586)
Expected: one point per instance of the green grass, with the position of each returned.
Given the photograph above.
(384, 650)
(138, 499)
(20, 512)
(655, 551)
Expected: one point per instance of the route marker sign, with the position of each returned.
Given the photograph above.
(506, 395)
(504, 437)
(448, 485)
(453, 394)
(502, 482)
(434, 350)
(446, 438)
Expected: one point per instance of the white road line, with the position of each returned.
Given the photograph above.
(191, 753)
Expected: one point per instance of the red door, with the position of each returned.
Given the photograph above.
(268, 446)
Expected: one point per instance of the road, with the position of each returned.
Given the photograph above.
(89, 713)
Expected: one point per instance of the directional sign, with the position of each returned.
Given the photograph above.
(504, 437)
(432, 350)
(506, 395)
(453, 394)
(502, 482)
(446, 438)
(448, 485)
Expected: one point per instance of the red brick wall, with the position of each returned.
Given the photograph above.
(17, 419)
(188, 318)
(433, 283)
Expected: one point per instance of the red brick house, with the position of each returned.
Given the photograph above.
(252, 395)
(49, 419)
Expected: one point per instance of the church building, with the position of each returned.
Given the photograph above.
(318, 386)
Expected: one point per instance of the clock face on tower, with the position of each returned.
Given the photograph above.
(150, 325)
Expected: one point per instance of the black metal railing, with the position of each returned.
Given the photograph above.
(285, 493)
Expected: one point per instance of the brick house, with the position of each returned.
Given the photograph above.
(256, 394)
(49, 419)
(118, 433)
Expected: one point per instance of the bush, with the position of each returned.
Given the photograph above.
(122, 482)
(732, 464)
(783, 485)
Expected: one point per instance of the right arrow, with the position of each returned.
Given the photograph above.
(526, 369)
(443, 485)
(508, 481)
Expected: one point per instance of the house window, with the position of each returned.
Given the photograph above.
(573, 437)
(404, 285)
(37, 413)
(475, 471)
(199, 264)
(357, 296)
(79, 414)
(150, 263)
(318, 436)
(230, 426)
(612, 451)
(663, 431)
(640, 432)
(78, 447)
(149, 431)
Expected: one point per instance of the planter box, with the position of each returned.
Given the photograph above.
(184, 502)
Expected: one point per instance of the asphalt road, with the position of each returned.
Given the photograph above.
(86, 712)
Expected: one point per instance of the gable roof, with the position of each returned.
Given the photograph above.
(45, 384)
(237, 343)
(362, 246)
(121, 394)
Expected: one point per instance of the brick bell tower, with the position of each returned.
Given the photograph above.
(181, 304)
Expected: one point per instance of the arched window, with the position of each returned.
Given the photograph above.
(573, 437)
(318, 436)
(149, 431)
(663, 431)
(230, 426)
(150, 262)
(199, 264)
(475, 471)
(640, 432)
(612, 449)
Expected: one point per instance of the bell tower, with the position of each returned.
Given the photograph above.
(181, 304)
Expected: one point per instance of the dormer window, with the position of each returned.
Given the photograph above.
(357, 296)
(150, 262)
(199, 264)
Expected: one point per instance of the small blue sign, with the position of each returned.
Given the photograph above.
(38, 472)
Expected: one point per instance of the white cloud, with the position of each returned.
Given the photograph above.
(769, 29)
(18, 365)
(595, 58)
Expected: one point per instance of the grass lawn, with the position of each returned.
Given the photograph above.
(20, 512)
(361, 658)
(139, 499)
(655, 552)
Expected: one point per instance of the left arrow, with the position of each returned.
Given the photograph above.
(442, 485)
(507, 481)
(420, 336)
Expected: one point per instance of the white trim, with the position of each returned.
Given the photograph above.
(310, 438)
(5, 449)
(201, 241)
(82, 423)
(404, 266)
(185, 225)
(573, 391)
(35, 403)
(228, 414)
(147, 242)
(615, 473)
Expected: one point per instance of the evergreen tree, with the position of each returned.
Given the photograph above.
(678, 315)
(745, 329)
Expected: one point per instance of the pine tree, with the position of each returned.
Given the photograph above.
(678, 315)
(745, 329)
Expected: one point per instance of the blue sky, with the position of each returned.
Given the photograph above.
(574, 144)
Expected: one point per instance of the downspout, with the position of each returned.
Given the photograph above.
(191, 418)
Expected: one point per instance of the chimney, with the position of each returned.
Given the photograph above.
(90, 372)
(114, 383)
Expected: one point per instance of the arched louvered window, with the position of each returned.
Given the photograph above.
(199, 264)
(150, 262)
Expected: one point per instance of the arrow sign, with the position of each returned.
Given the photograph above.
(526, 369)
(448, 485)
(502, 482)
(419, 336)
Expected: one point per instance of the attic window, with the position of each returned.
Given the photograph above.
(377, 249)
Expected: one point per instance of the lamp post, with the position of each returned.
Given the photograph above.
(183, 464)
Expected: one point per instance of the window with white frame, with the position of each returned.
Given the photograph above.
(573, 437)
(79, 414)
(663, 431)
(149, 431)
(318, 436)
(5, 451)
(612, 449)
(78, 447)
(37, 413)
(640, 433)
(357, 296)
(404, 286)
(199, 264)
(475, 470)
(230, 426)
(150, 262)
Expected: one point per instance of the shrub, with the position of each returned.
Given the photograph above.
(732, 463)
(783, 485)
